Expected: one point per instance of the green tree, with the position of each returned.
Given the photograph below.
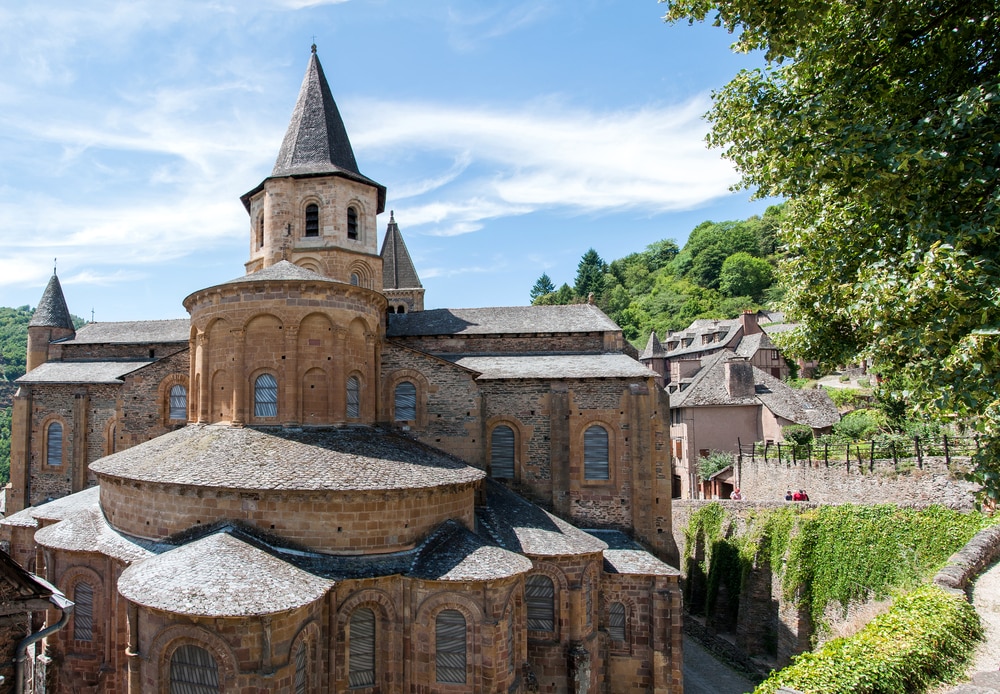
(590, 275)
(542, 287)
(744, 275)
(880, 124)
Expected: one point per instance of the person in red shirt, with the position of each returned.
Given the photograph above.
(798, 496)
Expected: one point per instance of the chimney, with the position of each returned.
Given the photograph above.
(739, 378)
(748, 321)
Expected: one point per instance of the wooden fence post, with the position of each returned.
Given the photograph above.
(871, 458)
(920, 455)
(947, 455)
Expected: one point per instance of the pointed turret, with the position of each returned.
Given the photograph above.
(400, 282)
(50, 321)
(653, 348)
(655, 357)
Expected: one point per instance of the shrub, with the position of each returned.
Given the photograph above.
(847, 397)
(858, 425)
(713, 462)
(799, 434)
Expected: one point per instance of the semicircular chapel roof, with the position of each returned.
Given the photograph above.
(333, 459)
(87, 530)
(452, 553)
(220, 576)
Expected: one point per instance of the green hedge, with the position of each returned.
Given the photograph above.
(925, 638)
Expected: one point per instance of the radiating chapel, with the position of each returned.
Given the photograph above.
(315, 485)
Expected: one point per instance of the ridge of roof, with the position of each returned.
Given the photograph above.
(398, 271)
(282, 270)
(52, 311)
(572, 318)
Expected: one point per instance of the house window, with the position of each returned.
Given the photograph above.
(616, 621)
(540, 595)
(54, 444)
(449, 657)
(774, 355)
(301, 675)
(361, 656)
(675, 416)
(595, 454)
(265, 396)
(193, 671)
(352, 223)
(83, 613)
(353, 397)
(312, 220)
(178, 402)
(502, 452)
(406, 402)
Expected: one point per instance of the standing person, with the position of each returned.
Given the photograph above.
(735, 495)
(797, 496)
(805, 497)
(788, 495)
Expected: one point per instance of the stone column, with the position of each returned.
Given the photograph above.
(132, 652)
(338, 379)
(239, 377)
(291, 409)
(78, 475)
(19, 489)
(203, 377)
(559, 458)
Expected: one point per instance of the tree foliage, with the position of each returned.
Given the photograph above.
(542, 287)
(880, 124)
(590, 274)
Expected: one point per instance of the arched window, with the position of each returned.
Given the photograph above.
(83, 613)
(540, 596)
(312, 220)
(178, 402)
(361, 656)
(595, 454)
(401, 309)
(265, 396)
(193, 671)
(352, 223)
(54, 444)
(502, 452)
(355, 279)
(406, 402)
(511, 655)
(449, 656)
(616, 621)
(353, 397)
(301, 672)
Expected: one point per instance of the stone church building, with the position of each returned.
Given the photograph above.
(315, 485)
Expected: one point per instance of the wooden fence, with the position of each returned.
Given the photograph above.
(898, 449)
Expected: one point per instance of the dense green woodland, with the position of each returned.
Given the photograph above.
(723, 269)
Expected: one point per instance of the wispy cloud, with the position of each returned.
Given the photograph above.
(468, 30)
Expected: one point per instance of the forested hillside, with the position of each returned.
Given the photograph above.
(723, 269)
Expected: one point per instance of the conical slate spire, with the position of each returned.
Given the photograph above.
(653, 348)
(52, 311)
(398, 271)
(316, 141)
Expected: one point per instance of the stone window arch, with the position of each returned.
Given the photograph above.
(353, 223)
(265, 396)
(353, 397)
(617, 622)
(301, 668)
(503, 452)
(193, 670)
(361, 648)
(55, 439)
(303, 657)
(405, 402)
(596, 453)
(450, 652)
(177, 406)
(540, 601)
(172, 639)
(312, 220)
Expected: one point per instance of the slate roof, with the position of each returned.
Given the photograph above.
(133, 332)
(87, 530)
(339, 459)
(452, 553)
(749, 345)
(398, 271)
(283, 270)
(653, 348)
(83, 371)
(505, 320)
(555, 366)
(52, 311)
(626, 556)
(220, 576)
(55, 510)
(519, 526)
(701, 327)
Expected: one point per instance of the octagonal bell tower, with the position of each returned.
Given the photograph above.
(316, 209)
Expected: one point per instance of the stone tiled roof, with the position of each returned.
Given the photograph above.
(708, 386)
(52, 311)
(83, 371)
(518, 525)
(506, 320)
(398, 271)
(452, 553)
(341, 459)
(653, 348)
(556, 366)
(220, 576)
(281, 271)
(86, 530)
(55, 510)
(695, 331)
(749, 345)
(133, 332)
(626, 556)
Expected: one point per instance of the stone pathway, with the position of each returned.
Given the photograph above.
(706, 674)
(984, 673)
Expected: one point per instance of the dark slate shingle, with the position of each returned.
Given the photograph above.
(134, 332)
(82, 371)
(398, 271)
(556, 366)
(502, 320)
(52, 311)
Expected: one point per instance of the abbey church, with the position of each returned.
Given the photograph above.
(315, 485)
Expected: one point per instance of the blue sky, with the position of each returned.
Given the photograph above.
(511, 137)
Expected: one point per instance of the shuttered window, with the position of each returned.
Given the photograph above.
(178, 402)
(450, 647)
(265, 396)
(54, 444)
(361, 658)
(83, 613)
(511, 654)
(540, 595)
(353, 397)
(406, 402)
(616, 621)
(352, 223)
(312, 220)
(193, 671)
(595, 454)
(301, 663)
(502, 452)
